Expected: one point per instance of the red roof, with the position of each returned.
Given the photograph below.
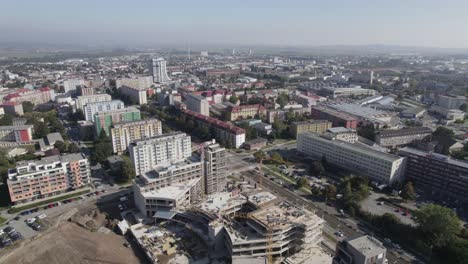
(215, 122)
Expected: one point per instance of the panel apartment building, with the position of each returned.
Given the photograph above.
(438, 176)
(378, 166)
(137, 95)
(104, 120)
(83, 100)
(123, 134)
(90, 109)
(197, 103)
(224, 132)
(147, 154)
(50, 176)
(315, 126)
(393, 138)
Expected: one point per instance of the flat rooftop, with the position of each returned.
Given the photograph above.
(367, 245)
(217, 203)
(434, 156)
(261, 198)
(354, 147)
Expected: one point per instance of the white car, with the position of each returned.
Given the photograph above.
(30, 220)
(42, 216)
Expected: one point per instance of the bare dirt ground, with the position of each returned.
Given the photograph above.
(70, 243)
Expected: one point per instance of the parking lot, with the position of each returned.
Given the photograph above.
(371, 204)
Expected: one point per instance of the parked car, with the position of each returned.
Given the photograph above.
(9, 229)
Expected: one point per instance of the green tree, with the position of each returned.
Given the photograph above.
(439, 225)
(6, 120)
(276, 157)
(234, 99)
(330, 192)
(73, 148)
(28, 107)
(283, 99)
(128, 172)
(445, 137)
(302, 182)
(408, 192)
(259, 156)
(316, 168)
(61, 146)
(40, 129)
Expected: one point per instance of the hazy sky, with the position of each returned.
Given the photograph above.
(433, 23)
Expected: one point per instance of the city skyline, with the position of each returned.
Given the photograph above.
(292, 23)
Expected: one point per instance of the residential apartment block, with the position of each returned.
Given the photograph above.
(90, 109)
(72, 84)
(50, 176)
(17, 134)
(37, 96)
(104, 120)
(13, 108)
(197, 103)
(137, 95)
(146, 154)
(315, 126)
(399, 137)
(142, 82)
(245, 111)
(123, 134)
(378, 166)
(437, 176)
(83, 100)
(224, 132)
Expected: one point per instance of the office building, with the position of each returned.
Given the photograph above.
(315, 126)
(72, 84)
(18, 134)
(338, 119)
(380, 167)
(400, 137)
(149, 153)
(48, 177)
(159, 71)
(104, 120)
(136, 94)
(197, 103)
(123, 134)
(437, 176)
(224, 132)
(238, 112)
(215, 162)
(90, 109)
(83, 100)
(360, 250)
(338, 92)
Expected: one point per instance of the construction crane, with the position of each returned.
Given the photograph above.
(269, 235)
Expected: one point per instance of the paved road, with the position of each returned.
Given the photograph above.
(349, 227)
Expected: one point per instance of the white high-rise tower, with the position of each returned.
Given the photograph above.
(159, 71)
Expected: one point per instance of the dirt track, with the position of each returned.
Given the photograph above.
(69, 243)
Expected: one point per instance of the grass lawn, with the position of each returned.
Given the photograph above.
(276, 172)
(2, 220)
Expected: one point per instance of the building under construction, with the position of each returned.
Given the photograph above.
(253, 224)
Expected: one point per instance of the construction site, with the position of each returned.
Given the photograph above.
(240, 225)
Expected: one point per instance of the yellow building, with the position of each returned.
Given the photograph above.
(314, 126)
(245, 111)
(124, 133)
